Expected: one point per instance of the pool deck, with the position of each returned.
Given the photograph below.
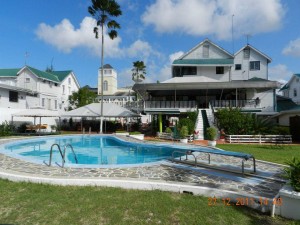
(166, 176)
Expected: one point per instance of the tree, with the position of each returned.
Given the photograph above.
(103, 11)
(83, 97)
(138, 71)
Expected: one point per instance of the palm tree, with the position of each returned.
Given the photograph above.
(138, 71)
(103, 11)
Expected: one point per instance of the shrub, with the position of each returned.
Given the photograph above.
(188, 123)
(211, 133)
(5, 129)
(293, 173)
(168, 130)
(22, 127)
(183, 132)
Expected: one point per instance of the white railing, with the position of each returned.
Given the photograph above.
(250, 103)
(170, 104)
(283, 139)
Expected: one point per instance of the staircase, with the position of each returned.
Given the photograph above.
(204, 120)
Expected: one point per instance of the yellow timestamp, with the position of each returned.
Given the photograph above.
(243, 201)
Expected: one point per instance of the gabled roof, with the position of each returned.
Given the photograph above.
(287, 85)
(254, 49)
(210, 42)
(284, 104)
(42, 74)
(9, 72)
(257, 79)
(61, 74)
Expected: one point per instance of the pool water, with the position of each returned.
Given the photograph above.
(90, 150)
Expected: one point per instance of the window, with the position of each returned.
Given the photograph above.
(105, 85)
(27, 80)
(70, 91)
(63, 89)
(238, 66)
(295, 92)
(107, 71)
(246, 53)
(55, 104)
(69, 80)
(255, 65)
(13, 96)
(205, 51)
(43, 102)
(189, 70)
(219, 70)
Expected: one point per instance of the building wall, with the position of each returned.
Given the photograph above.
(70, 86)
(5, 103)
(294, 90)
(22, 82)
(8, 81)
(284, 120)
(110, 76)
(209, 73)
(245, 73)
(214, 53)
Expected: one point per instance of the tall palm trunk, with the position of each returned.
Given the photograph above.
(102, 60)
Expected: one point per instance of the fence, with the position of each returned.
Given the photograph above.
(278, 139)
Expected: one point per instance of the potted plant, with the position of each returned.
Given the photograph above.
(183, 134)
(290, 194)
(211, 134)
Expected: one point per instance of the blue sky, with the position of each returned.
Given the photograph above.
(155, 31)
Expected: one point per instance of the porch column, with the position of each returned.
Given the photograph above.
(160, 122)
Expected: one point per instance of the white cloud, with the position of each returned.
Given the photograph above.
(293, 48)
(280, 73)
(203, 17)
(65, 37)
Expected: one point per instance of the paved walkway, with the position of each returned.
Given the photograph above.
(167, 173)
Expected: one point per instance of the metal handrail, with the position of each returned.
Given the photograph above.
(51, 150)
(64, 154)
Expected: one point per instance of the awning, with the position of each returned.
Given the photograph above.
(94, 110)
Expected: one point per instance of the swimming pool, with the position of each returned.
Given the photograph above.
(91, 150)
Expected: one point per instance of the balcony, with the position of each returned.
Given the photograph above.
(247, 104)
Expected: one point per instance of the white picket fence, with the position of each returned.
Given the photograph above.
(278, 139)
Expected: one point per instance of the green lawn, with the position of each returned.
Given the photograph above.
(272, 153)
(26, 203)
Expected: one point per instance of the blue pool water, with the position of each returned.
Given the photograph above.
(90, 150)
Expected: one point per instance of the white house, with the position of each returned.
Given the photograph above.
(27, 87)
(292, 88)
(208, 76)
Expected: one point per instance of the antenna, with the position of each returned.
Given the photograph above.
(248, 36)
(232, 33)
(26, 56)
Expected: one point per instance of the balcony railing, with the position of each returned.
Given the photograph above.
(170, 104)
(250, 103)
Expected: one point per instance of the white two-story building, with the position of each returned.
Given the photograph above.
(208, 76)
(27, 88)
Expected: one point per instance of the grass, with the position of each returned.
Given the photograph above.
(27, 203)
(272, 153)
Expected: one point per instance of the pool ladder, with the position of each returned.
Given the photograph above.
(63, 154)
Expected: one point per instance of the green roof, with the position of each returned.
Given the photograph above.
(45, 75)
(286, 104)
(61, 74)
(257, 79)
(284, 87)
(9, 72)
(203, 61)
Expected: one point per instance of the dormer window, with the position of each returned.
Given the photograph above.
(205, 51)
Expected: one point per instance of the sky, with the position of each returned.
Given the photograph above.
(39, 33)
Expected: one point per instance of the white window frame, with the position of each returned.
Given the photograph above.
(105, 85)
(254, 65)
(27, 80)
